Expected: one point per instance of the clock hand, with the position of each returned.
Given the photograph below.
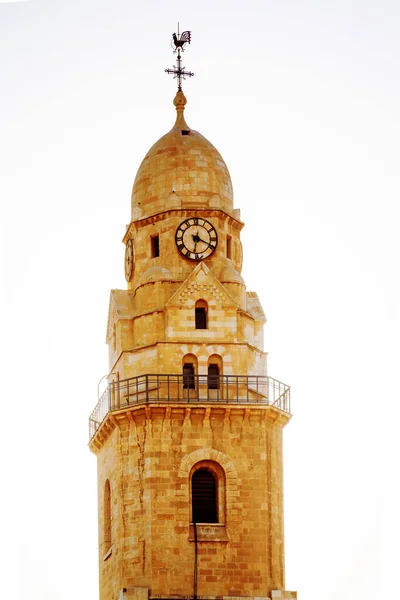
(204, 242)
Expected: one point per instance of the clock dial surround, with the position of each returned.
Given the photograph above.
(196, 238)
(129, 260)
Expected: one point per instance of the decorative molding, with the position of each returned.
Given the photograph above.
(201, 280)
(195, 286)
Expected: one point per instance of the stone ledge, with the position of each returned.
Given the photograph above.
(209, 532)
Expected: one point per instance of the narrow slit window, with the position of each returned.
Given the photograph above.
(204, 497)
(228, 246)
(188, 376)
(155, 246)
(107, 517)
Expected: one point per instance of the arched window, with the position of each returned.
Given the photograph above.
(213, 376)
(188, 376)
(214, 372)
(107, 517)
(189, 371)
(204, 497)
(207, 493)
(200, 312)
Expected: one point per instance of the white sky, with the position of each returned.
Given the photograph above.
(302, 100)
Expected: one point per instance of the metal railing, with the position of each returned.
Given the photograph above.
(226, 389)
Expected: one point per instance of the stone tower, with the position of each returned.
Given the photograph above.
(188, 434)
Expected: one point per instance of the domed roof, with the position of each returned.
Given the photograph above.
(182, 169)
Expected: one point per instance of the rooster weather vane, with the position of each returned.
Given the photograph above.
(178, 71)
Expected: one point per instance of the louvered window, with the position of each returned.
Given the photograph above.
(204, 497)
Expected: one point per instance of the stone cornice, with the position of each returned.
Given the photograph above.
(141, 413)
(183, 212)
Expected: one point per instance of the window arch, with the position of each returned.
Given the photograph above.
(207, 487)
(107, 517)
(200, 314)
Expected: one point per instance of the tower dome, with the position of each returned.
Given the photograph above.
(183, 169)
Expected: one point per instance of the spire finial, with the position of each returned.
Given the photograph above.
(178, 71)
(180, 102)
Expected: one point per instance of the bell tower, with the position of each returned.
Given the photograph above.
(188, 434)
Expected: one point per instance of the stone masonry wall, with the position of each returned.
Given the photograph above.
(148, 460)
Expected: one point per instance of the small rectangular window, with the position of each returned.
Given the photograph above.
(201, 318)
(155, 246)
(229, 246)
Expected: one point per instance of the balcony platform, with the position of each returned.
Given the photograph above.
(200, 390)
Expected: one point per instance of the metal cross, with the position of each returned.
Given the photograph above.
(178, 71)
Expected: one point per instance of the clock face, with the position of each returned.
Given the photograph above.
(129, 260)
(196, 238)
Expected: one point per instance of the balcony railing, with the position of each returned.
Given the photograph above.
(227, 389)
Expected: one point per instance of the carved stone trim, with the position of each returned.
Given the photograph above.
(194, 287)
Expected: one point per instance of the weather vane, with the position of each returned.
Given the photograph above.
(179, 41)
